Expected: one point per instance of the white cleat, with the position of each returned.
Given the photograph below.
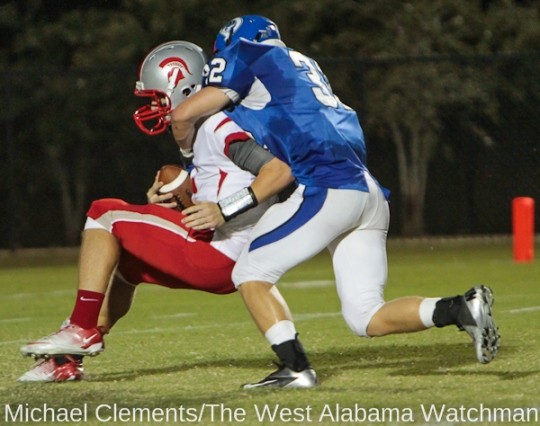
(70, 340)
(53, 370)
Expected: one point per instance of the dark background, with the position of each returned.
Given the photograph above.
(448, 94)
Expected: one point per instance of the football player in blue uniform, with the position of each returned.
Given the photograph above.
(285, 101)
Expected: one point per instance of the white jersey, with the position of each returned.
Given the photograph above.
(215, 177)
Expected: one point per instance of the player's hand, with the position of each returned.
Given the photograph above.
(202, 216)
(154, 197)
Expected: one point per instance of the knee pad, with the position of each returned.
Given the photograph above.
(358, 316)
(247, 270)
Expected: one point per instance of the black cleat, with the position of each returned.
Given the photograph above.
(284, 377)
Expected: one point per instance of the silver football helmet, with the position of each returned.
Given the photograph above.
(169, 74)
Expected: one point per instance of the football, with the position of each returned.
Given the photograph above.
(176, 180)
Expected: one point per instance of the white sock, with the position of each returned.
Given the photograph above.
(280, 332)
(426, 309)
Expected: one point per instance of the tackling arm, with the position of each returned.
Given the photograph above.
(207, 101)
(273, 175)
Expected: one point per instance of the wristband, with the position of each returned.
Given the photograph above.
(237, 203)
(186, 157)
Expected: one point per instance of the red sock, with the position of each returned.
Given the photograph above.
(86, 311)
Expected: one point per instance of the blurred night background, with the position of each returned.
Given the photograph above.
(448, 93)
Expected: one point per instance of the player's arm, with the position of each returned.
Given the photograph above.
(184, 117)
(273, 176)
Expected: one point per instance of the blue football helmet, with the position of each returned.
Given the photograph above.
(251, 27)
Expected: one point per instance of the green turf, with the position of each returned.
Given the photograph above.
(191, 350)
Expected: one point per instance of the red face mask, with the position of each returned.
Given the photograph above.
(154, 118)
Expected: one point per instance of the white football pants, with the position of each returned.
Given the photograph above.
(352, 224)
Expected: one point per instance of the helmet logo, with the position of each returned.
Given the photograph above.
(177, 69)
(229, 29)
(265, 33)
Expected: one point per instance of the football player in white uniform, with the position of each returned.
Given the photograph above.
(125, 244)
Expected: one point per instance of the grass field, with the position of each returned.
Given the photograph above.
(185, 354)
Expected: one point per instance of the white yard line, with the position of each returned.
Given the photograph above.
(48, 294)
(298, 317)
(521, 310)
(171, 329)
(315, 315)
(173, 316)
(12, 320)
(11, 342)
(308, 284)
(56, 293)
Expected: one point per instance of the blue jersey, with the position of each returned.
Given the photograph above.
(288, 106)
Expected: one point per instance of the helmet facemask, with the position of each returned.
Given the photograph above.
(153, 118)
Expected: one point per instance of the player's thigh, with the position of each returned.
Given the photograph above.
(296, 230)
(359, 255)
(156, 248)
(361, 271)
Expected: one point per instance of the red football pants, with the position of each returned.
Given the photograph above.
(157, 248)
